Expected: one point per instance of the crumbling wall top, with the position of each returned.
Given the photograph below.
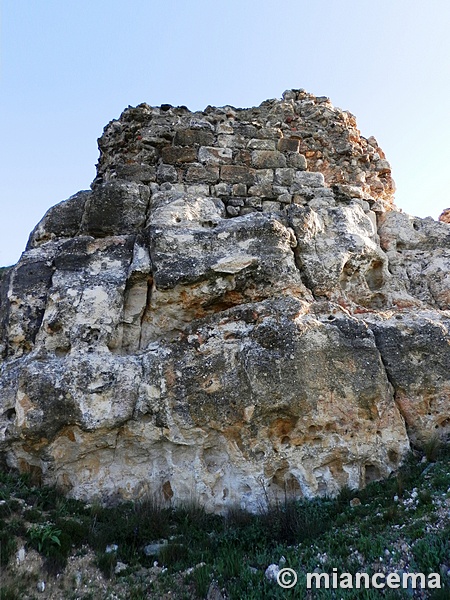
(253, 159)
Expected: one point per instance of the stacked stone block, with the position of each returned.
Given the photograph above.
(254, 160)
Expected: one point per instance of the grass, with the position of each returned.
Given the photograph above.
(400, 523)
(432, 448)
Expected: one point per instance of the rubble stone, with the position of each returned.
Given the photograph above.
(215, 156)
(288, 144)
(237, 174)
(178, 154)
(192, 137)
(296, 161)
(268, 159)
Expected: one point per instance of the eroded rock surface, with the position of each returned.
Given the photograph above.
(234, 311)
(445, 216)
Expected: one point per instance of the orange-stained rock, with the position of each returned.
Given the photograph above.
(445, 216)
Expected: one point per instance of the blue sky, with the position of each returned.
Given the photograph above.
(68, 67)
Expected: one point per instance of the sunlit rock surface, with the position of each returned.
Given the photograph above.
(234, 312)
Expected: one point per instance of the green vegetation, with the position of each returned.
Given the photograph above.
(402, 523)
(44, 537)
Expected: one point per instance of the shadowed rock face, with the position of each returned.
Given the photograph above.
(236, 310)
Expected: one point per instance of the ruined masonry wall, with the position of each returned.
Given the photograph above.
(255, 159)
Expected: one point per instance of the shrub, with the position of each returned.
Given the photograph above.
(432, 447)
(8, 546)
(106, 562)
(10, 593)
(201, 578)
(432, 551)
(43, 537)
(229, 561)
(77, 530)
(299, 521)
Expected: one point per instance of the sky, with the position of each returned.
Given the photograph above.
(69, 67)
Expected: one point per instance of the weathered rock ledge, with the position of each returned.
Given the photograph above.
(235, 310)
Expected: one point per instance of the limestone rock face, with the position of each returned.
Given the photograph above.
(234, 311)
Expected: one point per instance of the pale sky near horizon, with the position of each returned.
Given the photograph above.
(68, 67)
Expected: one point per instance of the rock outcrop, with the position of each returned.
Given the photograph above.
(235, 311)
(445, 216)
